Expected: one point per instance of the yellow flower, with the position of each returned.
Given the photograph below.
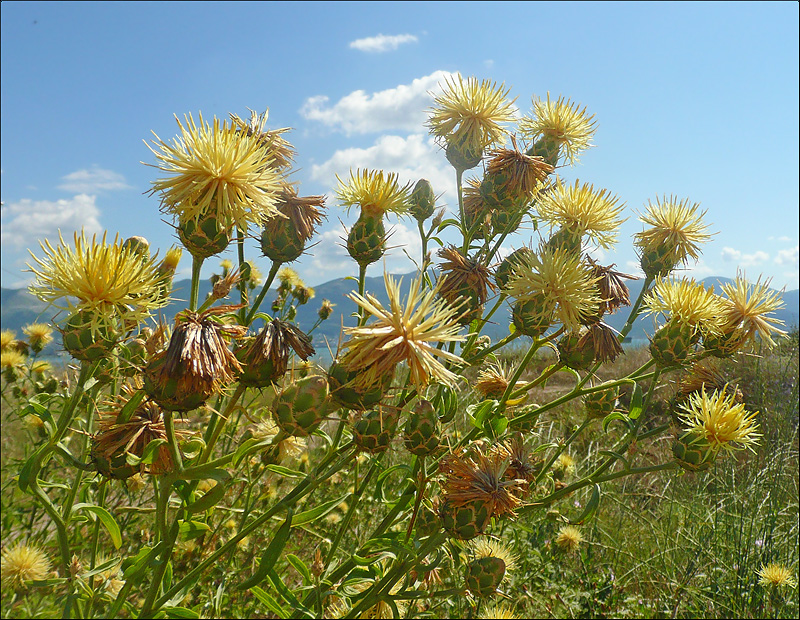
(403, 333)
(724, 423)
(565, 463)
(216, 171)
(485, 547)
(676, 230)
(289, 278)
(7, 339)
(21, 564)
(687, 302)
(583, 211)
(777, 576)
(569, 538)
(747, 307)
(106, 279)
(558, 279)
(39, 335)
(562, 123)
(469, 113)
(375, 192)
(498, 611)
(11, 358)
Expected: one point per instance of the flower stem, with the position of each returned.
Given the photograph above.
(197, 263)
(257, 303)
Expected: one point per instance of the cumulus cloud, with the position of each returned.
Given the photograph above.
(788, 257)
(742, 259)
(92, 180)
(382, 42)
(400, 108)
(412, 158)
(26, 222)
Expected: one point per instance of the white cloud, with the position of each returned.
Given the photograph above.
(400, 108)
(742, 259)
(788, 257)
(782, 238)
(92, 180)
(382, 42)
(412, 158)
(488, 63)
(26, 222)
(635, 268)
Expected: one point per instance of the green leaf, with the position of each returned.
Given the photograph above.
(617, 456)
(127, 411)
(134, 567)
(106, 519)
(591, 507)
(193, 529)
(180, 612)
(636, 402)
(249, 446)
(615, 415)
(300, 567)
(480, 412)
(271, 554)
(270, 602)
(209, 499)
(382, 479)
(285, 471)
(317, 513)
(496, 426)
(286, 594)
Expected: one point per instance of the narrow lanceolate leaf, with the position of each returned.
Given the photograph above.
(317, 513)
(106, 519)
(591, 507)
(271, 554)
(636, 402)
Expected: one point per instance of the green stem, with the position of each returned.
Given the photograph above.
(242, 286)
(158, 575)
(470, 343)
(497, 345)
(172, 441)
(197, 263)
(461, 214)
(218, 421)
(362, 276)
(560, 450)
(267, 283)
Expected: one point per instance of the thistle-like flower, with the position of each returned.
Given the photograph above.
(569, 538)
(583, 211)
(273, 346)
(492, 381)
(478, 477)
(557, 279)
(375, 192)
(106, 279)
(23, 563)
(722, 422)
(303, 212)
(468, 116)
(7, 339)
(216, 171)
(403, 333)
(776, 576)
(706, 376)
(463, 277)
(39, 335)
(280, 150)
(687, 303)
(747, 306)
(613, 291)
(498, 611)
(521, 174)
(603, 340)
(561, 124)
(675, 233)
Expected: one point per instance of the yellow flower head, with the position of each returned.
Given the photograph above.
(569, 538)
(403, 333)
(11, 358)
(375, 192)
(485, 547)
(22, 563)
(218, 171)
(107, 279)
(747, 306)
(498, 611)
(776, 576)
(279, 150)
(562, 122)
(675, 227)
(289, 278)
(722, 421)
(688, 303)
(558, 279)
(583, 211)
(7, 339)
(470, 113)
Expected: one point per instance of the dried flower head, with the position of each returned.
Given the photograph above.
(492, 381)
(562, 123)
(23, 563)
(706, 376)
(688, 303)
(471, 113)
(747, 306)
(223, 286)
(522, 174)
(461, 273)
(603, 340)
(776, 576)
(304, 213)
(403, 333)
(106, 279)
(280, 151)
(583, 211)
(675, 231)
(613, 291)
(569, 538)
(558, 279)
(724, 423)
(375, 192)
(218, 171)
(520, 464)
(275, 344)
(480, 477)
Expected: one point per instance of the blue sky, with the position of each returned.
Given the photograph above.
(695, 100)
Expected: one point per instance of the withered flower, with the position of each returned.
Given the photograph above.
(267, 357)
(603, 340)
(613, 291)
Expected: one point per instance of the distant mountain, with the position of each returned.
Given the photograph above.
(19, 308)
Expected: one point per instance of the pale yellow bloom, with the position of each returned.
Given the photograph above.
(675, 228)
(21, 564)
(561, 121)
(569, 538)
(375, 192)
(777, 576)
(747, 306)
(687, 302)
(724, 423)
